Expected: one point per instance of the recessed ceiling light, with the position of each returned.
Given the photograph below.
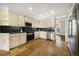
(51, 11)
(30, 8)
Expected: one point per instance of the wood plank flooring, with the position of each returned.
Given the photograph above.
(42, 47)
(4, 53)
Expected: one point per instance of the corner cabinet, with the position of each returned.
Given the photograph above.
(40, 34)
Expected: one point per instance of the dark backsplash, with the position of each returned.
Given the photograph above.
(27, 29)
(45, 29)
(14, 29)
(9, 29)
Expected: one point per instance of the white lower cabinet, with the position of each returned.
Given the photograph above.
(40, 34)
(43, 35)
(22, 38)
(14, 40)
(37, 34)
(17, 39)
(4, 41)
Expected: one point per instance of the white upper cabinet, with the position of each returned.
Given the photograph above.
(21, 21)
(16, 19)
(4, 16)
(36, 23)
(47, 23)
(10, 18)
(51, 23)
(43, 23)
(13, 18)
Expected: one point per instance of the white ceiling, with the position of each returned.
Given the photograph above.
(40, 10)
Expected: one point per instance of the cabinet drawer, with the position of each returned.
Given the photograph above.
(14, 35)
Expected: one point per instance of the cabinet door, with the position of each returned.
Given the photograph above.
(44, 23)
(4, 16)
(11, 42)
(40, 24)
(22, 38)
(36, 23)
(14, 40)
(37, 35)
(13, 18)
(21, 21)
(43, 35)
(51, 22)
(4, 41)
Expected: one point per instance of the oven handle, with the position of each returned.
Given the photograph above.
(30, 33)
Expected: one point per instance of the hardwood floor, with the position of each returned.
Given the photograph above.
(42, 47)
(4, 53)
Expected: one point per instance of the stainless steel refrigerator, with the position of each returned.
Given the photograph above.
(73, 31)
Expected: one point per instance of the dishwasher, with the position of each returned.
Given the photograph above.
(50, 36)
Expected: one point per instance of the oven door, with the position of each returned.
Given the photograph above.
(30, 36)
